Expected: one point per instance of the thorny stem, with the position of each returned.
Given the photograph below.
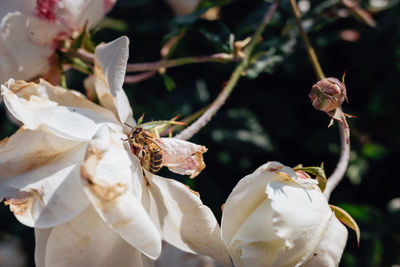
(341, 166)
(226, 91)
(220, 57)
(343, 162)
(310, 50)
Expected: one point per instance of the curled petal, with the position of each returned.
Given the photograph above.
(111, 60)
(39, 177)
(55, 110)
(182, 157)
(85, 241)
(107, 175)
(183, 220)
(248, 197)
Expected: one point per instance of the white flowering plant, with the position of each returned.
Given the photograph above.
(100, 165)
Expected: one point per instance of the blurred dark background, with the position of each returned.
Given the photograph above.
(269, 116)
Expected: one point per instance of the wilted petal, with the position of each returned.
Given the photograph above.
(182, 157)
(20, 57)
(108, 174)
(111, 60)
(56, 110)
(39, 176)
(183, 219)
(85, 241)
(300, 216)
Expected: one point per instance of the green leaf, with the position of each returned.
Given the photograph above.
(319, 173)
(217, 34)
(113, 24)
(346, 218)
(264, 62)
(373, 151)
(168, 82)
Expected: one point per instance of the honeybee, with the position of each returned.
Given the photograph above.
(143, 144)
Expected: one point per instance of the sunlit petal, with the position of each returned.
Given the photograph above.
(85, 241)
(39, 177)
(300, 215)
(107, 174)
(37, 107)
(183, 219)
(330, 248)
(109, 77)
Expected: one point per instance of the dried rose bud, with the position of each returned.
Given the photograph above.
(328, 94)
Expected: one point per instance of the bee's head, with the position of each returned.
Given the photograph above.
(136, 131)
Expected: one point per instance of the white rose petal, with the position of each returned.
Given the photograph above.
(20, 57)
(29, 31)
(108, 179)
(109, 78)
(330, 248)
(182, 157)
(183, 219)
(85, 241)
(41, 181)
(74, 121)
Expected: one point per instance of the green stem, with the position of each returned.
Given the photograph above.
(230, 85)
(310, 50)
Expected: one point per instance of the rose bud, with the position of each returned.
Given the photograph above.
(328, 94)
(273, 217)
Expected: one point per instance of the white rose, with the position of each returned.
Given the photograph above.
(30, 30)
(70, 173)
(274, 218)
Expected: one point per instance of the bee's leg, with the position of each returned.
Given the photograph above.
(143, 151)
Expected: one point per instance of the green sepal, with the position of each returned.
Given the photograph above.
(318, 172)
(346, 219)
(158, 127)
(83, 41)
(76, 63)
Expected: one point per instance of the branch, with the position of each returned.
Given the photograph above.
(139, 77)
(343, 162)
(310, 50)
(220, 57)
(226, 91)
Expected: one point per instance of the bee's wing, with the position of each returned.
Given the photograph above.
(156, 141)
